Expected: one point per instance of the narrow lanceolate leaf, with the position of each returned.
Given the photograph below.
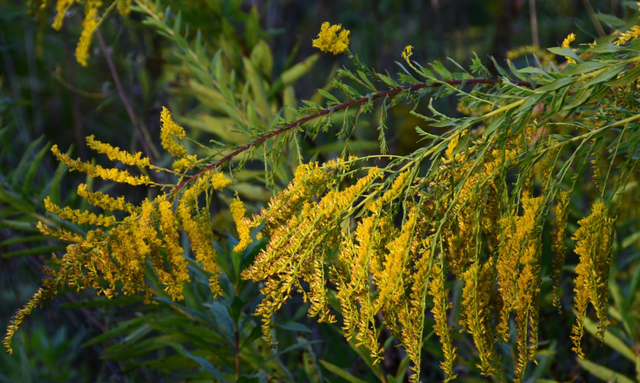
(341, 372)
(602, 372)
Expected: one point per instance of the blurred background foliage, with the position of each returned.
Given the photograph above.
(47, 98)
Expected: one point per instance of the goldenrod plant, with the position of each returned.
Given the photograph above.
(376, 242)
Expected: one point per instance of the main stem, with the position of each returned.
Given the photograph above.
(326, 111)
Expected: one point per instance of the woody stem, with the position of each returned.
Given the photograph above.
(329, 110)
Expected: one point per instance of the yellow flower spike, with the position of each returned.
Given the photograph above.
(103, 201)
(184, 163)
(559, 224)
(197, 225)
(89, 25)
(123, 7)
(567, 44)
(407, 52)
(329, 41)
(452, 146)
(629, 35)
(441, 304)
(121, 176)
(168, 130)
(178, 262)
(77, 216)
(116, 154)
(61, 8)
(593, 245)
(238, 211)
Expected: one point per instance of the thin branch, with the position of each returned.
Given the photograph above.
(326, 111)
(533, 19)
(594, 19)
(123, 97)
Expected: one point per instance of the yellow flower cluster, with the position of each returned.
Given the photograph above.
(61, 7)
(104, 201)
(244, 232)
(329, 41)
(168, 131)
(407, 52)
(309, 181)
(477, 319)
(38, 299)
(518, 275)
(114, 256)
(558, 247)
(123, 7)
(394, 192)
(545, 56)
(566, 43)
(441, 304)
(593, 245)
(299, 240)
(113, 174)
(89, 25)
(77, 216)
(116, 154)
(629, 35)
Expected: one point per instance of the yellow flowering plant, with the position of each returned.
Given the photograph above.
(372, 242)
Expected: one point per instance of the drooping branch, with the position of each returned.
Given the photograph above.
(332, 109)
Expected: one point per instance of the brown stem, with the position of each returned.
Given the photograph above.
(533, 18)
(75, 108)
(326, 111)
(594, 19)
(236, 342)
(123, 97)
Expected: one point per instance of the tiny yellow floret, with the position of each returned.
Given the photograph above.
(407, 52)
(329, 41)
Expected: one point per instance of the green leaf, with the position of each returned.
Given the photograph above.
(138, 349)
(294, 326)
(122, 328)
(200, 360)
(580, 97)
(557, 84)
(366, 80)
(16, 201)
(25, 161)
(33, 168)
(328, 95)
(38, 250)
(103, 302)
(258, 89)
(610, 19)
(387, 80)
(586, 67)
(441, 70)
(627, 78)
(607, 74)
(19, 240)
(292, 74)
(341, 372)
(567, 52)
(255, 333)
(602, 372)
(606, 48)
(611, 340)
